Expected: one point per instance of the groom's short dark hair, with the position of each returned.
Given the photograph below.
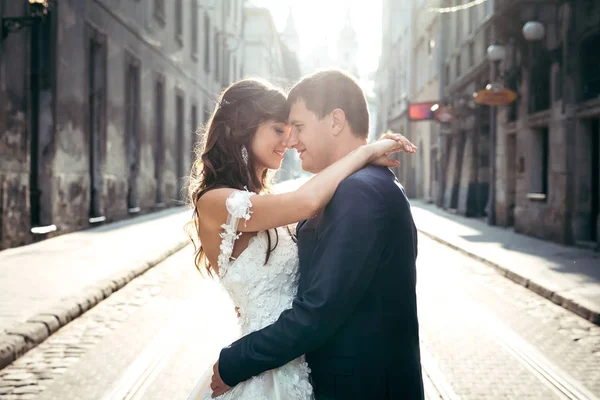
(324, 91)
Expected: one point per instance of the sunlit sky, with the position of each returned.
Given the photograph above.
(319, 20)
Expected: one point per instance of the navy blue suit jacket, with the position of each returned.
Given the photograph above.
(355, 315)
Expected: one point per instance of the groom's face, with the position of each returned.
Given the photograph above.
(311, 137)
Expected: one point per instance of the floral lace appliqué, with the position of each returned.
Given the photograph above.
(238, 206)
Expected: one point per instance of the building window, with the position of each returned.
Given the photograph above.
(489, 8)
(471, 54)
(96, 118)
(226, 8)
(180, 142)
(179, 22)
(132, 131)
(472, 18)
(194, 131)
(159, 138)
(235, 11)
(590, 76)
(234, 68)
(539, 93)
(217, 53)
(206, 43)
(205, 115)
(459, 22)
(512, 82)
(432, 61)
(393, 88)
(226, 68)
(486, 39)
(194, 29)
(538, 189)
(159, 11)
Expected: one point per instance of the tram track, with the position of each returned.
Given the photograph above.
(437, 387)
(149, 364)
(545, 370)
(144, 370)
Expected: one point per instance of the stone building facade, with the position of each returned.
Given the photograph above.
(425, 87)
(268, 54)
(263, 55)
(99, 108)
(545, 160)
(548, 159)
(465, 164)
(393, 80)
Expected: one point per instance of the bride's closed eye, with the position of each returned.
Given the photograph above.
(279, 129)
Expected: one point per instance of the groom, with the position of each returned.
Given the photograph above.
(355, 315)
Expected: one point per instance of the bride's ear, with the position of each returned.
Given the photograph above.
(338, 120)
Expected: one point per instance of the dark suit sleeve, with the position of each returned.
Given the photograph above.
(346, 258)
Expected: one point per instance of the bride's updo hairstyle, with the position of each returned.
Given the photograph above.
(219, 162)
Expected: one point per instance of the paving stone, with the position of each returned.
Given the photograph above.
(51, 322)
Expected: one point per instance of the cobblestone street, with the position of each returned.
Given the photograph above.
(483, 337)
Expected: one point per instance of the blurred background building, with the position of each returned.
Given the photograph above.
(394, 80)
(532, 164)
(425, 87)
(101, 102)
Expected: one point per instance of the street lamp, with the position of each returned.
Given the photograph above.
(36, 11)
(533, 31)
(495, 54)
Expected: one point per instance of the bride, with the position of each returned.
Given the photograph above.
(243, 228)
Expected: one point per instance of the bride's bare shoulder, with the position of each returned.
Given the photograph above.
(214, 196)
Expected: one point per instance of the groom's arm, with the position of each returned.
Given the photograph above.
(345, 260)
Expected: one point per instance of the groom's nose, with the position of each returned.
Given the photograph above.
(292, 139)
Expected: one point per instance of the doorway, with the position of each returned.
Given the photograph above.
(132, 134)
(588, 183)
(511, 178)
(42, 84)
(159, 140)
(595, 179)
(96, 122)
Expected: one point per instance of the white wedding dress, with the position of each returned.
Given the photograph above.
(262, 292)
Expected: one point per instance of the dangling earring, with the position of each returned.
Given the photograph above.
(245, 155)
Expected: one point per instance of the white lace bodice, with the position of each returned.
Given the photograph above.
(261, 291)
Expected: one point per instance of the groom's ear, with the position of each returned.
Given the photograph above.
(338, 120)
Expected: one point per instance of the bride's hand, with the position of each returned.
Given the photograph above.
(380, 150)
(409, 147)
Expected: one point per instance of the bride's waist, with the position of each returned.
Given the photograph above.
(254, 319)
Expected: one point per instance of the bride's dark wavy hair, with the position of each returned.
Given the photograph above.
(240, 110)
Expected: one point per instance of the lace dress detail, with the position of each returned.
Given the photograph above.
(238, 206)
(261, 292)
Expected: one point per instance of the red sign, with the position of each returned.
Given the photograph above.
(422, 111)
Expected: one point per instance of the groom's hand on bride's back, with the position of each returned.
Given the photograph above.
(217, 385)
